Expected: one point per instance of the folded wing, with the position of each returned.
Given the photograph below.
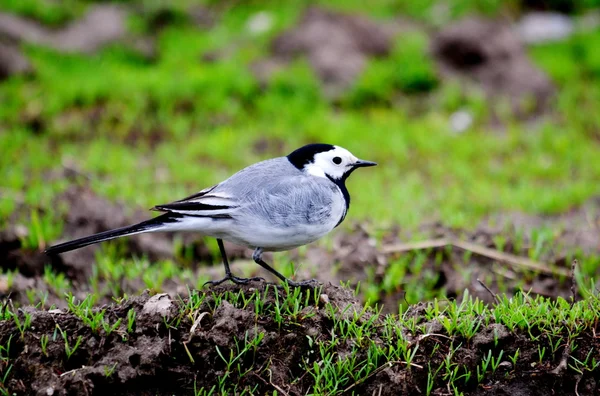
(206, 203)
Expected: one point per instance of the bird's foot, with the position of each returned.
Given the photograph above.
(234, 279)
(310, 283)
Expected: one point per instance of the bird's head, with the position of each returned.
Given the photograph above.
(326, 160)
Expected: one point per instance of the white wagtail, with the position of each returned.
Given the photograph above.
(273, 205)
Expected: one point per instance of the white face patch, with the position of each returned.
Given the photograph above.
(334, 163)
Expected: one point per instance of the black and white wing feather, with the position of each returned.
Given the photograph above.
(205, 203)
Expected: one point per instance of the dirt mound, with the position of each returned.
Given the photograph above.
(337, 46)
(89, 214)
(183, 354)
(490, 53)
(12, 61)
(102, 24)
(260, 339)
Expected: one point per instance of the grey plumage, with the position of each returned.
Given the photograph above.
(271, 195)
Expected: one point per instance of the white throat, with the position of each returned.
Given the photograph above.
(313, 169)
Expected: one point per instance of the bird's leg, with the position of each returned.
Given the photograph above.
(257, 256)
(228, 274)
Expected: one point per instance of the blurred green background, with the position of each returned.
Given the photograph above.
(187, 93)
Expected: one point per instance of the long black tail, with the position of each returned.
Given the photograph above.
(144, 226)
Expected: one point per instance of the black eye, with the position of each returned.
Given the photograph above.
(337, 160)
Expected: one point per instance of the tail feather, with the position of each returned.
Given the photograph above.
(145, 226)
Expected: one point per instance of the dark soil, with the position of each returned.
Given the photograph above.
(154, 359)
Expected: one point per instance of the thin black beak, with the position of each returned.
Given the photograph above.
(363, 163)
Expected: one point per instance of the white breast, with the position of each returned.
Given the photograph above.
(283, 238)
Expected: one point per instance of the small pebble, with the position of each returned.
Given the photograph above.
(460, 121)
(159, 304)
(324, 298)
(21, 231)
(505, 365)
(260, 22)
(541, 27)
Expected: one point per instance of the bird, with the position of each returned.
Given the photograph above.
(273, 205)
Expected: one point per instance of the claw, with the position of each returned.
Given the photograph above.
(311, 283)
(234, 279)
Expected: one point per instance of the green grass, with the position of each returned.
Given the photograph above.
(196, 123)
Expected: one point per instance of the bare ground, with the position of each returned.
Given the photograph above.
(171, 350)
